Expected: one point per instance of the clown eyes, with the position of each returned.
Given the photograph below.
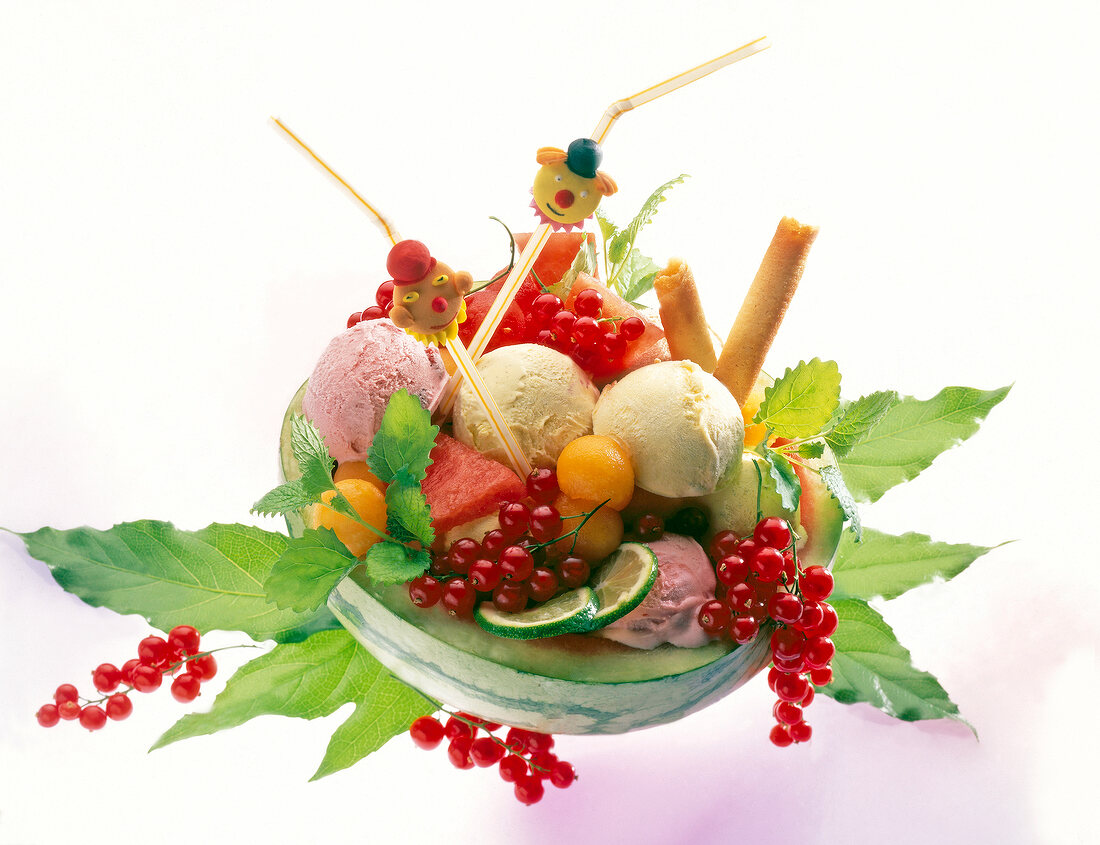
(442, 280)
(584, 194)
(557, 178)
(410, 297)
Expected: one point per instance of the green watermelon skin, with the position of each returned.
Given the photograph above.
(462, 484)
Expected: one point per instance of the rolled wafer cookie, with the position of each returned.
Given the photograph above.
(765, 304)
(682, 316)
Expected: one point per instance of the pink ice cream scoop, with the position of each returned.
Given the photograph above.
(357, 374)
(669, 613)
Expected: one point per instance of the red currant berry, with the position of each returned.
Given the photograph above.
(542, 584)
(516, 563)
(185, 688)
(586, 331)
(650, 527)
(459, 598)
(384, 294)
(562, 774)
(458, 750)
(816, 583)
(545, 523)
(791, 687)
(184, 638)
(772, 531)
(485, 575)
(811, 617)
(510, 596)
(512, 768)
(127, 670)
(119, 707)
(588, 303)
(740, 597)
(767, 564)
(456, 727)
(354, 318)
(92, 717)
(516, 740)
(462, 553)
(781, 736)
(374, 312)
(574, 571)
(539, 742)
(153, 651)
(561, 324)
(787, 643)
(68, 710)
(743, 630)
(612, 346)
(486, 751)
(789, 665)
(204, 667)
(809, 697)
(714, 617)
(106, 677)
(426, 732)
(828, 624)
(632, 328)
(785, 608)
(513, 518)
(544, 307)
(47, 715)
(819, 651)
(542, 485)
(773, 676)
(731, 570)
(65, 692)
(787, 712)
(529, 789)
(801, 732)
(822, 677)
(146, 678)
(542, 762)
(724, 544)
(493, 543)
(790, 569)
(425, 591)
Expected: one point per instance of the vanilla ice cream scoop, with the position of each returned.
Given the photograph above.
(682, 426)
(544, 396)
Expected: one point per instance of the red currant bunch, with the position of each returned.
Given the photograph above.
(762, 585)
(157, 657)
(523, 758)
(383, 299)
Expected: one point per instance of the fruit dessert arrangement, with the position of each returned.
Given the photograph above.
(533, 506)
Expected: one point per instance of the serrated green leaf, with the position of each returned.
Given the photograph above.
(834, 481)
(309, 680)
(212, 578)
(404, 440)
(285, 499)
(622, 242)
(308, 569)
(812, 449)
(408, 516)
(870, 665)
(786, 480)
(392, 563)
(312, 455)
(637, 275)
(607, 228)
(858, 420)
(802, 401)
(887, 565)
(911, 435)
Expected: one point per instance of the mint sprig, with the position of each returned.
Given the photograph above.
(393, 563)
(404, 441)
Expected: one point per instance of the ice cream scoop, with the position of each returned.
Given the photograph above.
(546, 399)
(355, 377)
(683, 428)
(669, 612)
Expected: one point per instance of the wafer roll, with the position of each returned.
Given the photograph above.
(682, 316)
(765, 304)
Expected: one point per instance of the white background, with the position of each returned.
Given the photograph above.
(170, 268)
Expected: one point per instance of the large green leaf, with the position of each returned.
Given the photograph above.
(911, 435)
(887, 565)
(870, 665)
(211, 579)
(308, 569)
(802, 400)
(308, 680)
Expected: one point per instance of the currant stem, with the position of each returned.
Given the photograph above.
(476, 726)
(587, 516)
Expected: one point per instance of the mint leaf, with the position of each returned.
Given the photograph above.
(212, 578)
(309, 680)
(392, 563)
(307, 570)
(888, 565)
(786, 480)
(312, 455)
(637, 275)
(285, 499)
(911, 435)
(404, 440)
(608, 229)
(802, 400)
(812, 449)
(858, 419)
(834, 481)
(622, 242)
(871, 665)
(408, 516)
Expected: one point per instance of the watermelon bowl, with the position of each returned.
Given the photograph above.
(566, 684)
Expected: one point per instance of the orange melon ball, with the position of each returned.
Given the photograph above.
(369, 503)
(599, 537)
(594, 468)
(754, 432)
(357, 469)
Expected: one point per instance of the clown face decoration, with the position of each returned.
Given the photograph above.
(569, 187)
(427, 294)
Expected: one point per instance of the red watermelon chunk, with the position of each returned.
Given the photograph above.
(462, 484)
(512, 328)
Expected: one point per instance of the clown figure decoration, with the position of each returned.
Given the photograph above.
(569, 186)
(427, 294)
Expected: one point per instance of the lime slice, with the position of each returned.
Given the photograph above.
(565, 614)
(622, 582)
